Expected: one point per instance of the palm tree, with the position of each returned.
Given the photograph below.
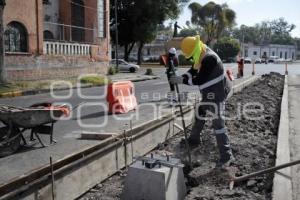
(2, 5)
(213, 18)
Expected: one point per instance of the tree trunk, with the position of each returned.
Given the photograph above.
(126, 55)
(141, 45)
(127, 50)
(2, 47)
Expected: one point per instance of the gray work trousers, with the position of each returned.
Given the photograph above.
(214, 111)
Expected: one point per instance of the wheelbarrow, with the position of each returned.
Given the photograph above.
(38, 118)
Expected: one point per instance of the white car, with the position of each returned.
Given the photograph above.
(248, 60)
(273, 59)
(125, 66)
(258, 61)
(280, 60)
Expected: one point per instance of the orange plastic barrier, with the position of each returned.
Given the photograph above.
(120, 97)
(164, 59)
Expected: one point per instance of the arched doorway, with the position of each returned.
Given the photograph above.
(48, 35)
(78, 17)
(16, 38)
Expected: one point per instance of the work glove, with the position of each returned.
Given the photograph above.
(176, 79)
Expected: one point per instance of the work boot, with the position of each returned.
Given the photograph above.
(224, 150)
(222, 164)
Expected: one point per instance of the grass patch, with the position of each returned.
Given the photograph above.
(113, 70)
(7, 87)
(95, 80)
(149, 72)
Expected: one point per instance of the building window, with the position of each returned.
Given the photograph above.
(273, 53)
(46, 2)
(254, 53)
(293, 55)
(101, 18)
(280, 54)
(285, 55)
(48, 35)
(78, 17)
(246, 52)
(15, 38)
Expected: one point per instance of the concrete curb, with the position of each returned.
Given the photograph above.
(42, 91)
(282, 183)
(240, 86)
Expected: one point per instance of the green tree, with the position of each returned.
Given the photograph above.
(281, 30)
(139, 21)
(213, 18)
(125, 25)
(227, 48)
(276, 32)
(2, 78)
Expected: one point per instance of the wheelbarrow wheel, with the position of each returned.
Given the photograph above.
(9, 144)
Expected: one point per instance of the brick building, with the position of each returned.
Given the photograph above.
(47, 39)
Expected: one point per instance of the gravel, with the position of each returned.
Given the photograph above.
(253, 143)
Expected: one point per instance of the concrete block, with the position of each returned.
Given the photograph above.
(159, 183)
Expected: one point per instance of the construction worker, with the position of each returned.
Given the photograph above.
(207, 73)
(171, 70)
(240, 68)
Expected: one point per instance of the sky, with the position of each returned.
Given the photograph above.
(250, 12)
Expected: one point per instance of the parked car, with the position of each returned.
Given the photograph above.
(280, 60)
(273, 59)
(229, 60)
(258, 61)
(125, 66)
(247, 60)
(289, 60)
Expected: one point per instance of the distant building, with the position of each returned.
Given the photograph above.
(257, 51)
(151, 51)
(47, 39)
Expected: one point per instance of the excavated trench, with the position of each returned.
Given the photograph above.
(253, 135)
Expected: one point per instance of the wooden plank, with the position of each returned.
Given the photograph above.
(96, 136)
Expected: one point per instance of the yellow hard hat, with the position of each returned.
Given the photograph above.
(192, 47)
(188, 45)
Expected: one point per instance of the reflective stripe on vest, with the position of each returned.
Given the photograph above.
(212, 82)
(220, 131)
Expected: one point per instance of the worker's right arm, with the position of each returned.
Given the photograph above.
(193, 77)
(189, 75)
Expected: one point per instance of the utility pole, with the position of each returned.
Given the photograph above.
(2, 48)
(243, 45)
(117, 36)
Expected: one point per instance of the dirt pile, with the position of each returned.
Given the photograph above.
(252, 122)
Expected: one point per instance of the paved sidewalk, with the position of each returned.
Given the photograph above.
(294, 118)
